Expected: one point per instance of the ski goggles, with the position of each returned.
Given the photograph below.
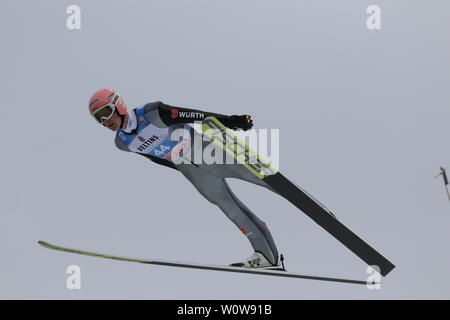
(106, 111)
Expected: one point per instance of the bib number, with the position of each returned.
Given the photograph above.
(161, 150)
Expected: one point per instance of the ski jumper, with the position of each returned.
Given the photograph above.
(149, 132)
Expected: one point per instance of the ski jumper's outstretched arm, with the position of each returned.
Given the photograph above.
(173, 115)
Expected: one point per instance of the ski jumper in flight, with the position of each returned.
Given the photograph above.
(149, 130)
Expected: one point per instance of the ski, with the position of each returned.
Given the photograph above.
(275, 273)
(225, 139)
(327, 220)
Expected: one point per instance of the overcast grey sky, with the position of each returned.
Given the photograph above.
(363, 121)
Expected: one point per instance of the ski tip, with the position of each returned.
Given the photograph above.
(43, 243)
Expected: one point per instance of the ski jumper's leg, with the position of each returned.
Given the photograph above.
(215, 189)
(238, 171)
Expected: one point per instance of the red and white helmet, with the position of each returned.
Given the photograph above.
(108, 97)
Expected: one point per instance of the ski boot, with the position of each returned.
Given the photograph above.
(259, 261)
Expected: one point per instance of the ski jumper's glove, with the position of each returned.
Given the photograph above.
(244, 122)
(172, 115)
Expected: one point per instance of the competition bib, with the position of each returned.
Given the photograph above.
(155, 141)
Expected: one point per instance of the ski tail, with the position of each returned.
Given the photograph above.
(321, 216)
